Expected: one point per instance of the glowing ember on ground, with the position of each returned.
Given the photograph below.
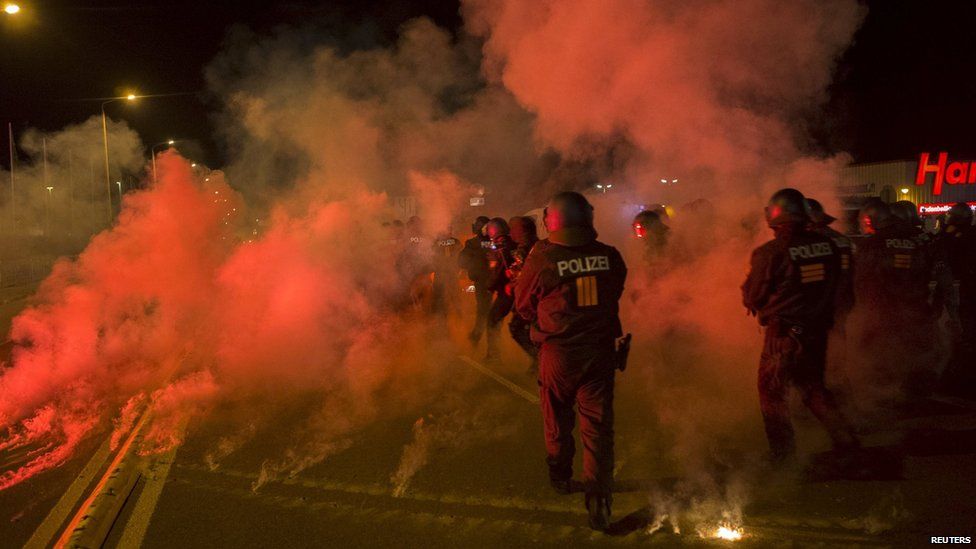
(728, 533)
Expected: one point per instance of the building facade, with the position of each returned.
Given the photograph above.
(933, 182)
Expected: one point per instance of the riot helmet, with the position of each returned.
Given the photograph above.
(496, 228)
(645, 222)
(523, 229)
(568, 209)
(874, 215)
(905, 211)
(786, 207)
(479, 223)
(816, 213)
(959, 215)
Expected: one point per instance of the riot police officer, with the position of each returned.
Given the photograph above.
(569, 290)
(649, 228)
(445, 265)
(957, 245)
(820, 222)
(525, 236)
(791, 288)
(500, 260)
(473, 259)
(892, 286)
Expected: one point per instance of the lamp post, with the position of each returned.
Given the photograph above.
(152, 150)
(108, 177)
(47, 211)
(13, 217)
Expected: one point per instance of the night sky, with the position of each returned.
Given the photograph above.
(905, 86)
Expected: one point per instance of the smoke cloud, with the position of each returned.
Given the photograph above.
(283, 293)
(683, 101)
(71, 162)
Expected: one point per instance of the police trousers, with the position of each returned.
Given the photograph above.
(521, 333)
(582, 378)
(482, 297)
(795, 357)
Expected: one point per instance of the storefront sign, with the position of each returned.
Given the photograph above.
(953, 173)
(940, 208)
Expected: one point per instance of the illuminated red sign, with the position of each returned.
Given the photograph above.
(940, 208)
(953, 173)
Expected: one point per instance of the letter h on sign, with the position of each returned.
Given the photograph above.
(938, 169)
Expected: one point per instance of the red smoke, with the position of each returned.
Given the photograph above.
(169, 308)
(114, 322)
(705, 90)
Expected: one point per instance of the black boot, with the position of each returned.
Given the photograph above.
(562, 487)
(598, 507)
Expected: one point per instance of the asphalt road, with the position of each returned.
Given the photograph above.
(471, 474)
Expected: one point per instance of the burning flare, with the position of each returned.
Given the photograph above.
(728, 533)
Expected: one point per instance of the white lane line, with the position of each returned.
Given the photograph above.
(48, 529)
(138, 524)
(505, 382)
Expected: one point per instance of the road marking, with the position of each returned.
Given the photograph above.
(138, 524)
(83, 510)
(557, 517)
(49, 527)
(505, 382)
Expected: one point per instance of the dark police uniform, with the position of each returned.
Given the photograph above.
(570, 296)
(473, 259)
(518, 327)
(845, 287)
(792, 288)
(892, 283)
(893, 274)
(445, 265)
(500, 259)
(958, 250)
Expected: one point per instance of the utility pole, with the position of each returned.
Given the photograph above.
(71, 191)
(10, 130)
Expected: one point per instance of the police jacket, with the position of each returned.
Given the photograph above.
(445, 254)
(893, 270)
(845, 288)
(569, 291)
(473, 258)
(793, 279)
(959, 250)
(500, 259)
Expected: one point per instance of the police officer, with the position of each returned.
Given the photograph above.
(525, 236)
(569, 290)
(649, 228)
(791, 288)
(893, 269)
(957, 245)
(910, 222)
(820, 222)
(473, 259)
(500, 259)
(445, 265)
(892, 283)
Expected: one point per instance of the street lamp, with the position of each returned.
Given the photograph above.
(108, 177)
(152, 150)
(47, 211)
(11, 8)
